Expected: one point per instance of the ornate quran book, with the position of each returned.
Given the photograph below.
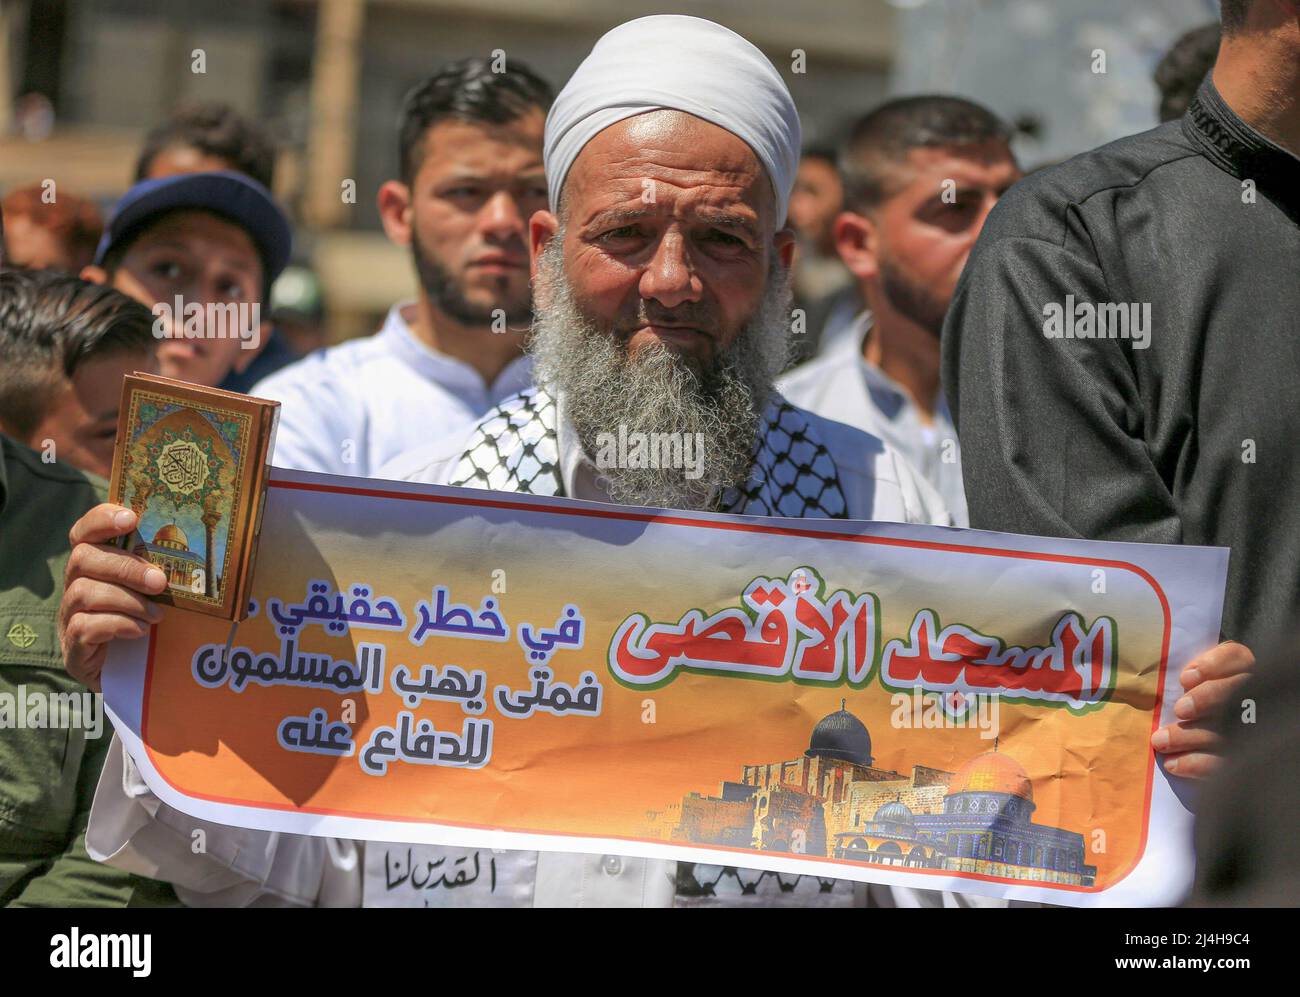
(192, 463)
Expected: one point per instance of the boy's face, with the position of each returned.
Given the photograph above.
(205, 260)
(81, 420)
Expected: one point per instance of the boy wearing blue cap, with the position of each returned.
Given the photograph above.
(201, 250)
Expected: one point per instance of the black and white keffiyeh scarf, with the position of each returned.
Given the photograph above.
(515, 448)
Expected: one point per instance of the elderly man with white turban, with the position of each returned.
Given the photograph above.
(662, 296)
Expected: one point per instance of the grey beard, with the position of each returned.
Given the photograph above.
(717, 410)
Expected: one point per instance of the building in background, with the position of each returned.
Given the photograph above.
(1035, 63)
(327, 78)
(82, 80)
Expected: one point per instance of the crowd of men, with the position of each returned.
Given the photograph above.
(882, 303)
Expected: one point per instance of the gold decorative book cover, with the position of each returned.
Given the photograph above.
(192, 462)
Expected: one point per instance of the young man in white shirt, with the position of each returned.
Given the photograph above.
(921, 175)
(470, 142)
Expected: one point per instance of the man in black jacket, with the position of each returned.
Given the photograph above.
(1122, 357)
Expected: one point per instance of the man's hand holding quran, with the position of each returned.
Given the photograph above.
(106, 592)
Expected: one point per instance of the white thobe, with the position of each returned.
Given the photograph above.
(840, 384)
(351, 408)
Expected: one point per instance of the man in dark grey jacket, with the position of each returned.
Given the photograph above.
(1122, 357)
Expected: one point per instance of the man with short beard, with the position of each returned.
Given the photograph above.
(470, 148)
(921, 175)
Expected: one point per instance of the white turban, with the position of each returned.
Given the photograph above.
(671, 61)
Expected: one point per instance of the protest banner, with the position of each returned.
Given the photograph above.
(940, 708)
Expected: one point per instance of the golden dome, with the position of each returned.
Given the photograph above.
(172, 536)
(992, 772)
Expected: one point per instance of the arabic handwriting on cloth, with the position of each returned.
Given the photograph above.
(412, 875)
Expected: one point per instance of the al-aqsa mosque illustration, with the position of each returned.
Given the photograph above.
(833, 801)
(170, 550)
